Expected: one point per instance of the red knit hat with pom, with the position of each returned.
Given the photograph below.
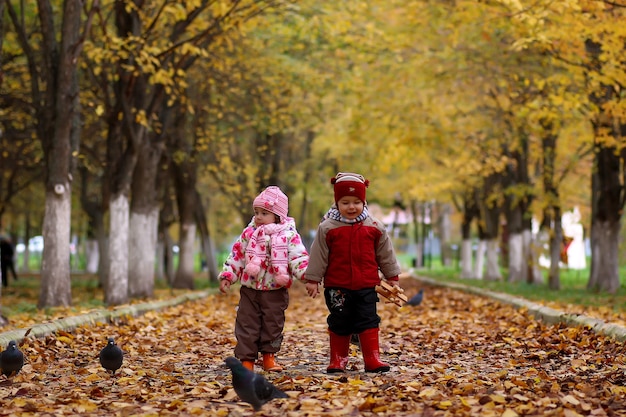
(349, 184)
(274, 200)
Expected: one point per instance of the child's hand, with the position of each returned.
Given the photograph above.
(394, 281)
(312, 288)
(224, 286)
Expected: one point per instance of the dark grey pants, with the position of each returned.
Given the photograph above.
(260, 322)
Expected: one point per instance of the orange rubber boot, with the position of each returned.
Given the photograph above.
(248, 364)
(269, 363)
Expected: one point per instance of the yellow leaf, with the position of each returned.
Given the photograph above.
(443, 405)
(92, 377)
(499, 399)
(65, 339)
(428, 393)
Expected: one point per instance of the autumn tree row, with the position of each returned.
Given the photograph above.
(510, 107)
(159, 109)
(132, 100)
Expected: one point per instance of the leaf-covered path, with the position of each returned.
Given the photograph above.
(455, 355)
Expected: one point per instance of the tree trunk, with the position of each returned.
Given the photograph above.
(159, 271)
(469, 213)
(556, 243)
(144, 219)
(205, 235)
(466, 259)
(517, 263)
(419, 260)
(56, 287)
(551, 222)
(608, 185)
(607, 206)
(170, 271)
(493, 265)
(27, 235)
(92, 255)
(532, 251)
(604, 250)
(210, 256)
(142, 253)
(103, 264)
(187, 198)
(116, 285)
(490, 224)
(59, 133)
(185, 271)
(479, 266)
(445, 229)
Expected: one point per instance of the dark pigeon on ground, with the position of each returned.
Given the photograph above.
(11, 360)
(111, 356)
(417, 298)
(251, 387)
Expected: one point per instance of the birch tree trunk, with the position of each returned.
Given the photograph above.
(604, 259)
(479, 266)
(144, 219)
(517, 261)
(58, 129)
(466, 259)
(493, 265)
(142, 253)
(56, 287)
(116, 285)
(608, 185)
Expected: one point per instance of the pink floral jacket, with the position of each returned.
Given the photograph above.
(234, 265)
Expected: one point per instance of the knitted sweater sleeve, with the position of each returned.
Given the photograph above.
(235, 262)
(298, 257)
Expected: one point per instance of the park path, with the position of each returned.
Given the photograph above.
(457, 354)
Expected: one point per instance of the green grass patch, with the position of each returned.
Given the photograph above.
(573, 289)
(21, 297)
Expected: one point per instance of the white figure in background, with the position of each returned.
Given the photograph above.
(572, 228)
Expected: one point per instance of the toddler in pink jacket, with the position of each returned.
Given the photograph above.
(265, 259)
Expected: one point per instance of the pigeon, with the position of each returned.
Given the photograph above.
(111, 356)
(11, 360)
(416, 299)
(251, 387)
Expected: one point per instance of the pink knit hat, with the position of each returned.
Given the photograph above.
(274, 200)
(349, 184)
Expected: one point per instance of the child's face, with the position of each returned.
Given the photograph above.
(262, 216)
(350, 207)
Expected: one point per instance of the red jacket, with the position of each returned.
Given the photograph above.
(350, 255)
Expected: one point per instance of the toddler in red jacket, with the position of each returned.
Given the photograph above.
(349, 250)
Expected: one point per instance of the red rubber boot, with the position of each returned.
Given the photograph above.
(371, 351)
(339, 352)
